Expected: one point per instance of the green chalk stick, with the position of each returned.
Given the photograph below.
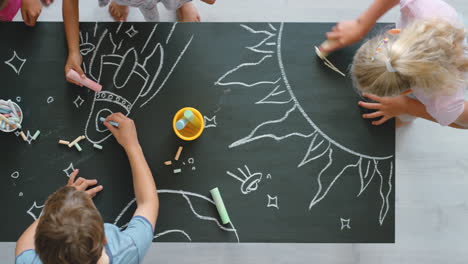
(220, 205)
(78, 147)
(36, 135)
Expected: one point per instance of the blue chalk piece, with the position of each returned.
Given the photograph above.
(181, 123)
(102, 119)
(4, 111)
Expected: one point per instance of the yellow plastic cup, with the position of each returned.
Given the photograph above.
(188, 134)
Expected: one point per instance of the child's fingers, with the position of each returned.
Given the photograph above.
(78, 182)
(369, 105)
(111, 128)
(86, 183)
(333, 35)
(380, 121)
(372, 97)
(373, 115)
(93, 191)
(72, 177)
(116, 117)
(72, 81)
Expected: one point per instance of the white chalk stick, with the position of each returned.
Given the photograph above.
(97, 146)
(63, 142)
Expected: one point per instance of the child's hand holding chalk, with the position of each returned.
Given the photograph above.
(344, 34)
(125, 133)
(74, 63)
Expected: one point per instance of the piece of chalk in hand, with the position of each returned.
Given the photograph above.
(220, 205)
(115, 124)
(73, 75)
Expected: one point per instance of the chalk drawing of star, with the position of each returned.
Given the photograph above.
(16, 63)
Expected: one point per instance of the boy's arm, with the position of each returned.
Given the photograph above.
(70, 13)
(26, 240)
(348, 32)
(143, 181)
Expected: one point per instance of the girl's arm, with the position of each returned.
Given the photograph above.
(70, 13)
(348, 32)
(389, 107)
(416, 108)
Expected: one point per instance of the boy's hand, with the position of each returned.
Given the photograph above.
(126, 133)
(30, 11)
(386, 107)
(74, 62)
(82, 184)
(344, 34)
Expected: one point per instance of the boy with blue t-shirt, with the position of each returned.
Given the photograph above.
(71, 230)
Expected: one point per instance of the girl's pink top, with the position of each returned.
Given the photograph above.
(444, 109)
(10, 10)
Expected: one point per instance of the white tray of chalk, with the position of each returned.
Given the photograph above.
(11, 116)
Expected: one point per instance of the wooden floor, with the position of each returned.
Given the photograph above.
(432, 166)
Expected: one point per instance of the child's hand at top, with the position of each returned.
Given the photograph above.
(344, 34)
(74, 62)
(81, 184)
(30, 11)
(386, 107)
(126, 133)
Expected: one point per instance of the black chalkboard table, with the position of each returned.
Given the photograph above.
(284, 139)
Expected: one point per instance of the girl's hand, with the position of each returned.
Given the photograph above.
(82, 184)
(30, 11)
(126, 133)
(345, 33)
(74, 62)
(386, 107)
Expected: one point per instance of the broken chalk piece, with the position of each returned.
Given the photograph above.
(77, 146)
(177, 170)
(63, 142)
(220, 205)
(36, 135)
(178, 153)
(78, 139)
(102, 119)
(190, 116)
(168, 162)
(97, 146)
(23, 136)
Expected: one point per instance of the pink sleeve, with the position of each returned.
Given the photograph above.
(444, 109)
(425, 9)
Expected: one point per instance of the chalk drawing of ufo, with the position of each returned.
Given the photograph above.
(131, 76)
(249, 180)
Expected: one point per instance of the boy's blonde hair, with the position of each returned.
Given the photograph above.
(70, 230)
(428, 54)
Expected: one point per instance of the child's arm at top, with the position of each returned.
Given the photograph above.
(143, 181)
(348, 32)
(70, 13)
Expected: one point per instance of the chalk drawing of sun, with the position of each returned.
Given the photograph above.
(322, 145)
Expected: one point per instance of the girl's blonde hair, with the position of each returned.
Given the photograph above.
(428, 54)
